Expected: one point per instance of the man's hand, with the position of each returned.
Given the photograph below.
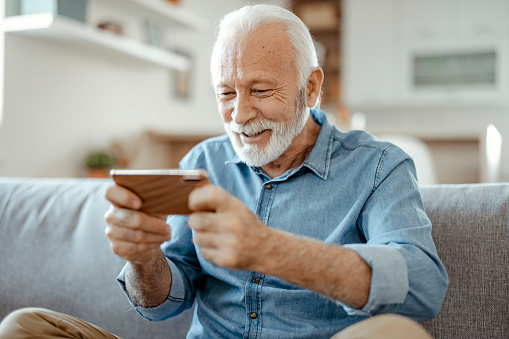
(133, 235)
(230, 235)
(226, 231)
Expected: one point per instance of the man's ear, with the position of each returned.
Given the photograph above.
(314, 86)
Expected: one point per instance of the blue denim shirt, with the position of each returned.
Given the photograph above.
(352, 190)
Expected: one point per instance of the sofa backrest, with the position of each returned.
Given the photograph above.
(471, 232)
(54, 254)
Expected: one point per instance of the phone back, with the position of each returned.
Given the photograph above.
(161, 194)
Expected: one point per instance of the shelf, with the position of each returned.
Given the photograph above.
(162, 9)
(323, 18)
(168, 11)
(49, 26)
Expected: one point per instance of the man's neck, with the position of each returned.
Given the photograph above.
(297, 153)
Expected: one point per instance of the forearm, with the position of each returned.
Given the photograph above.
(334, 271)
(148, 285)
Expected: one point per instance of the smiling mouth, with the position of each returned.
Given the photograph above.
(252, 135)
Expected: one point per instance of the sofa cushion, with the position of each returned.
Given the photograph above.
(471, 232)
(54, 254)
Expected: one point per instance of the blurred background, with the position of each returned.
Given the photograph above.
(92, 84)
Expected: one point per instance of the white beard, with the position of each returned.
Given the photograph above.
(282, 135)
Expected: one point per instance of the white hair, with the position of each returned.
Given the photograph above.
(247, 19)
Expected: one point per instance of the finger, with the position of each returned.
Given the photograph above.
(133, 251)
(205, 222)
(206, 240)
(219, 257)
(121, 217)
(208, 253)
(208, 198)
(122, 197)
(115, 233)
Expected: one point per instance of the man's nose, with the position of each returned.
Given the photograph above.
(243, 110)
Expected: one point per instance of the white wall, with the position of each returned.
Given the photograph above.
(63, 101)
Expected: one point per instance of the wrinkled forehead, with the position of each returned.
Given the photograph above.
(267, 49)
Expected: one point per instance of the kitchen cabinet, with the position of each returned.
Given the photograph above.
(424, 19)
(463, 19)
(482, 18)
(385, 39)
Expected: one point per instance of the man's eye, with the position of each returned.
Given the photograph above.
(225, 94)
(261, 91)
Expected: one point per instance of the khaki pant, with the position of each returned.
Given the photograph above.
(41, 324)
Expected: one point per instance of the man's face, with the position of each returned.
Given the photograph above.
(258, 94)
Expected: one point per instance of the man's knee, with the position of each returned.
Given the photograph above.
(23, 314)
(390, 326)
(21, 319)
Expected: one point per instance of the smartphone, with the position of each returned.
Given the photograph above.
(163, 192)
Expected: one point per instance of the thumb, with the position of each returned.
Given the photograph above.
(209, 198)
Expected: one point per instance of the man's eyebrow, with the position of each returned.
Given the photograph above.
(222, 84)
(263, 80)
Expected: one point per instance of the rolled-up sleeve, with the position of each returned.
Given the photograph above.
(389, 280)
(407, 275)
(173, 303)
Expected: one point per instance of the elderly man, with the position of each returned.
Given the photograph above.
(303, 231)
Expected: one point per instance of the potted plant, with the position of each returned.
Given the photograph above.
(99, 164)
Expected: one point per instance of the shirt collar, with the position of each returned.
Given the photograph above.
(318, 159)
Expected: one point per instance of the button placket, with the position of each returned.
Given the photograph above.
(267, 193)
(253, 307)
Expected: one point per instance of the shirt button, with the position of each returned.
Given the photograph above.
(268, 186)
(253, 315)
(256, 280)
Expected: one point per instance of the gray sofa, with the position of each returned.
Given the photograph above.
(54, 254)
